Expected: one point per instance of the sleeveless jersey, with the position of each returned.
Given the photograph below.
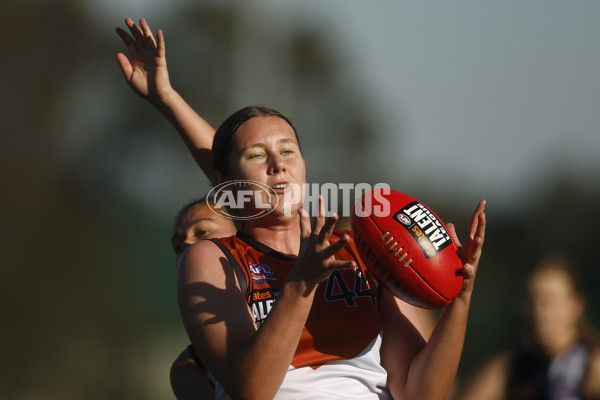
(338, 352)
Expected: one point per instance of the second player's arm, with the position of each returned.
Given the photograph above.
(197, 134)
(145, 70)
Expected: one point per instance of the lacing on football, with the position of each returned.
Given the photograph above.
(397, 251)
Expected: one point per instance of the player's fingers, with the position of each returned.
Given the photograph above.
(477, 242)
(128, 40)
(329, 251)
(125, 65)
(453, 235)
(135, 31)
(320, 219)
(327, 229)
(148, 36)
(480, 232)
(475, 219)
(124, 35)
(305, 230)
(339, 264)
(160, 37)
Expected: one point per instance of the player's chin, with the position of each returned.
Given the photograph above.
(281, 216)
(287, 210)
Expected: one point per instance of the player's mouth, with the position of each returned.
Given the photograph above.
(281, 187)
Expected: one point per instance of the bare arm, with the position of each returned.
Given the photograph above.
(425, 370)
(219, 322)
(146, 72)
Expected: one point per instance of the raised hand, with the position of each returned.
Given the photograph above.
(316, 259)
(145, 69)
(470, 252)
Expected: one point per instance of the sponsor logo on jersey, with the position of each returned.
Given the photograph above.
(425, 228)
(261, 273)
(261, 302)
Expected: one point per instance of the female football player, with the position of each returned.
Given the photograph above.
(291, 331)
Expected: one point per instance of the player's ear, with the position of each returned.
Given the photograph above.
(216, 177)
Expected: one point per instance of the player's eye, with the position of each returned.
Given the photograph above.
(201, 234)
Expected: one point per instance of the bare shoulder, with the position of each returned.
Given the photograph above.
(204, 261)
(213, 309)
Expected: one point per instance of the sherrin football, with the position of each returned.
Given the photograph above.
(407, 248)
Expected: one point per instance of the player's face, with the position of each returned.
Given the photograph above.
(200, 222)
(266, 150)
(555, 307)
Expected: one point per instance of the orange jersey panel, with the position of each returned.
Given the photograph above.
(344, 318)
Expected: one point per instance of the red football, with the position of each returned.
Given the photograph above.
(407, 247)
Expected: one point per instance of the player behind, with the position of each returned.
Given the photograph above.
(558, 356)
(195, 221)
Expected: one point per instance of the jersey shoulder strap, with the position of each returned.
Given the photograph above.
(237, 268)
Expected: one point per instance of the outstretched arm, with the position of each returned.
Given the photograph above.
(146, 72)
(425, 370)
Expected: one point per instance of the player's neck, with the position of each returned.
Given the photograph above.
(283, 237)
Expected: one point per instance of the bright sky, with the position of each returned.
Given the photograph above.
(482, 97)
(495, 94)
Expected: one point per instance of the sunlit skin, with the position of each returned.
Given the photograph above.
(200, 222)
(237, 353)
(197, 223)
(556, 310)
(265, 150)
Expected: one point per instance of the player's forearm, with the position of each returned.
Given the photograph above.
(272, 348)
(434, 368)
(196, 133)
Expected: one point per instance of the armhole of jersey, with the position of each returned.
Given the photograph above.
(239, 272)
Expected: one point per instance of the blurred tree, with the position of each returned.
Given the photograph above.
(59, 283)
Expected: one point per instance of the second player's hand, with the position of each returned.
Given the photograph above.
(145, 69)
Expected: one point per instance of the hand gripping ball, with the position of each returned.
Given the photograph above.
(407, 248)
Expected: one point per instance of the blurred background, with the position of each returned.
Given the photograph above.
(447, 101)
